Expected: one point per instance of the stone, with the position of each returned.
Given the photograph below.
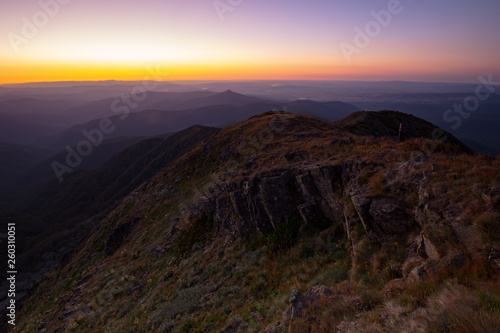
(458, 261)
(494, 258)
(347, 327)
(389, 214)
(233, 326)
(425, 249)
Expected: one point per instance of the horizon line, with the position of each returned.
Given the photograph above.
(227, 80)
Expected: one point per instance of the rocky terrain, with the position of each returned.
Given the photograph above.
(288, 223)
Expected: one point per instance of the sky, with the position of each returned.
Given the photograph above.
(373, 40)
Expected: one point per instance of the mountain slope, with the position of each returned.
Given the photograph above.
(231, 236)
(100, 154)
(99, 188)
(225, 98)
(15, 159)
(386, 123)
(55, 216)
(330, 111)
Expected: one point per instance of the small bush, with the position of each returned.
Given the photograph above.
(337, 275)
(187, 326)
(283, 236)
(489, 225)
(200, 230)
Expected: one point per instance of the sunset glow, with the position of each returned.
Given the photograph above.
(96, 40)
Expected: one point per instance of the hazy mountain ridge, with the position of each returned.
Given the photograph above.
(216, 110)
(429, 101)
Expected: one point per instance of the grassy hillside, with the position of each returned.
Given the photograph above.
(286, 223)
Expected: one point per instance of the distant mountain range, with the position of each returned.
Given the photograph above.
(45, 114)
(177, 113)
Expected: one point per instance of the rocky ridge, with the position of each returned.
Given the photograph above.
(376, 214)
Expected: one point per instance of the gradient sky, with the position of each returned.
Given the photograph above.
(430, 40)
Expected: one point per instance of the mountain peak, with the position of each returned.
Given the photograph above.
(231, 93)
(387, 123)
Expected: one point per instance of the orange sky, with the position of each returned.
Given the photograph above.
(281, 39)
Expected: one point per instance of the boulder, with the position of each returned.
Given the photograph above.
(389, 214)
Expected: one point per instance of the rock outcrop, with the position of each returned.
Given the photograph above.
(266, 199)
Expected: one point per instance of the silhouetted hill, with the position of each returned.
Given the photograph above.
(386, 123)
(97, 189)
(225, 98)
(479, 126)
(330, 111)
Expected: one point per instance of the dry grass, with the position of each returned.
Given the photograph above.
(377, 183)
(460, 309)
(455, 308)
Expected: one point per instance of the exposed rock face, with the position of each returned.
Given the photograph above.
(312, 193)
(324, 193)
(388, 213)
(273, 197)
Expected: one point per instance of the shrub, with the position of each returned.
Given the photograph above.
(283, 236)
(200, 230)
(187, 326)
(489, 225)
